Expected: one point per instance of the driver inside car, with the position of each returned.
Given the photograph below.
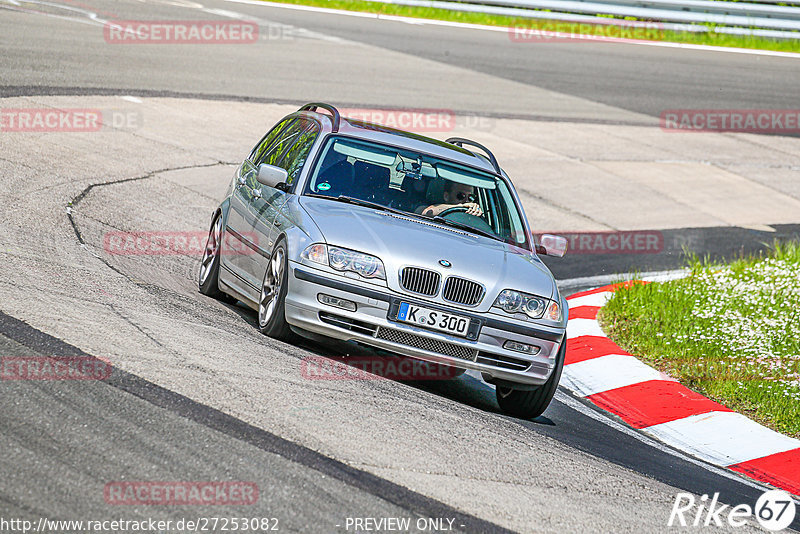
(455, 194)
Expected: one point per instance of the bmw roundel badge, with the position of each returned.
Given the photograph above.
(445, 263)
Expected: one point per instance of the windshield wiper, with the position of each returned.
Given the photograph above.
(365, 203)
(466, 227)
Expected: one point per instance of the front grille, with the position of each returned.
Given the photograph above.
(426, 343)
(421, 281)
(462, 291)
(505, 362)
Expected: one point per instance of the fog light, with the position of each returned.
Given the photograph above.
(336, 301)
(521, 347)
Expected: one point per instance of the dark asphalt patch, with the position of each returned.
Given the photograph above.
(724, 243)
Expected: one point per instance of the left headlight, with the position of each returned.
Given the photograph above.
(343, 259)
(511, 301)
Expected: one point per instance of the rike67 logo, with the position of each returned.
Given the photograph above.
(774, 510)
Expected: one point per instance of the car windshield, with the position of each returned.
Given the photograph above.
(360, 171)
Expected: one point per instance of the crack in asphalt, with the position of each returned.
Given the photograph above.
(140, 329)
(83, 194)
(80, 196)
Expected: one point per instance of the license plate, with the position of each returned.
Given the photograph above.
(433, 319)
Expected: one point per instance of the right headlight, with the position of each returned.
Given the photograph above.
(343, 259)
(511, 301)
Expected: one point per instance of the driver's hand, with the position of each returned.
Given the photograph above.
(473, 209)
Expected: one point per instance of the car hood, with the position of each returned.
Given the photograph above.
(406, 241)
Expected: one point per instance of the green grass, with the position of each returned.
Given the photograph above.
(704, 38)
(730, 332)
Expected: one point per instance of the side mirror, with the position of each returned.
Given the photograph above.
(552, 245)
(271, 175)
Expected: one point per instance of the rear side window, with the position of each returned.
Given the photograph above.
(262, 148)
(290, 149)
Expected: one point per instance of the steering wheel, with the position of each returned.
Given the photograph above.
(459, 214)
(454, 209)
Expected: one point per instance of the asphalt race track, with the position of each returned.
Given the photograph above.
(198, 394)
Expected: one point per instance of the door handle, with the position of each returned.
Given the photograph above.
(277, 222)
(241, 181)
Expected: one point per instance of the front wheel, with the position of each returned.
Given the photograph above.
(272, 303)
(527, 404)
(208, 279)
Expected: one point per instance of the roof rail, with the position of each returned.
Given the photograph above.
(334, 112)
(460, 141)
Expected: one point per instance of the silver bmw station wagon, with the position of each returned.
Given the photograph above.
(408, 244)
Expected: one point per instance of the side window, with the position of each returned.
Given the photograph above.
(261, 149)
(296, 155)
(281, 144)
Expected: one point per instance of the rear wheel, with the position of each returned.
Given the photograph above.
(527, 404)
(272, 302)
(208, 280)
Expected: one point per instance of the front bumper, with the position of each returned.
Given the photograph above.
(373, 324)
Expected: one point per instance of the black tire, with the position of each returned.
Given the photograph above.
(208, 278)
(527, 404)
(272, 308)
